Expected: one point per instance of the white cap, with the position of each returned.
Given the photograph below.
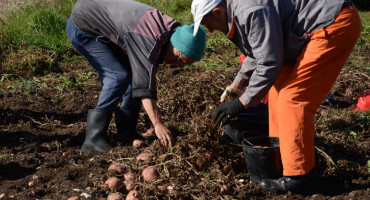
(199, 8)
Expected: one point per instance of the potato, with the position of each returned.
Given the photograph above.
(130, 185)
(114, 196)
(31, 183)
(143, 156)
(129, 176)
(171, 188)
(225, 190)
(133, 195)
(114, 183)
(207, 157)
(138, 144)
(203, 160)
(147, 150)
(163, 187)
(149, 174)
(74, 198)
(150, 132)
(116, 168)
(199, 163)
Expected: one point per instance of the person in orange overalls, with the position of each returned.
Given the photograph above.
(295, 51)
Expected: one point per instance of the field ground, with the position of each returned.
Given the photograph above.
(43, 119)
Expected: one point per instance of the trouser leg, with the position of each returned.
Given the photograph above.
(115, 76)
(300, 89)
(126, 118)
(109, 61)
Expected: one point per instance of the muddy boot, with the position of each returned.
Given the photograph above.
(126, 122)
(304, 184)
(96, 131)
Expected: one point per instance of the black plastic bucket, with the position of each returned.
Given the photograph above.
(235, 135)
(262, 156)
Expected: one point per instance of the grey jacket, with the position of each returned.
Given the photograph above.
(272, 33)
(139, 30)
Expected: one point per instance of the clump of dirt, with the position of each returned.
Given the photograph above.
(42, 128)
(349, 85)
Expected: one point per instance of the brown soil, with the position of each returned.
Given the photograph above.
(42, 128)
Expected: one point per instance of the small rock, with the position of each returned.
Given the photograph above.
(85, 195)
(77, 190)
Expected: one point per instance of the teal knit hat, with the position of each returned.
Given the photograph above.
(191, 46)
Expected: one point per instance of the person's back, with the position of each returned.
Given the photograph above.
(296, 18)
(141, 31)
(121, 21)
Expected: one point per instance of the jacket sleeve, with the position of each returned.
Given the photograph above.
(262, 27)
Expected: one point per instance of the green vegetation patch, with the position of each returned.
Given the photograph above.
(30, 61)
(38, 23)
(34, 37)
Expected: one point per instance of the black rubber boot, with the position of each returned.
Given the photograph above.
(126, 122)
(304, 184)
(96, 131)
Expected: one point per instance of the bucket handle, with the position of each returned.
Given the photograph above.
(249, 142)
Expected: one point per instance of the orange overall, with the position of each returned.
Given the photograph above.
(300, 89)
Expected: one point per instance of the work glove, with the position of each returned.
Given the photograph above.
(227, 111)
(230, 91)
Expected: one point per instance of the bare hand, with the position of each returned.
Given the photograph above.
(164, 135)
